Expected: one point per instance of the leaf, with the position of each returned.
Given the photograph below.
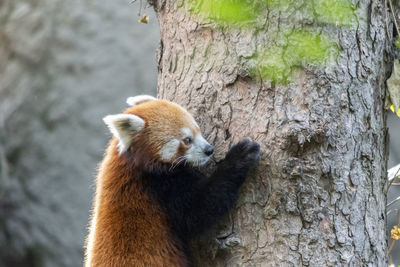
(144, 19)
(395, 233)
(393, 89)
(392, 109)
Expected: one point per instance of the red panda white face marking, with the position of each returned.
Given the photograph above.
(169, 150)
(162, 129)
(187, 132)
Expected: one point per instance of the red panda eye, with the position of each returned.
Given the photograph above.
(187, 140)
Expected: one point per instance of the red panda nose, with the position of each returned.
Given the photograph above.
(209, 150)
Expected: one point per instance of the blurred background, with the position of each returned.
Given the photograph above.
(64, 65)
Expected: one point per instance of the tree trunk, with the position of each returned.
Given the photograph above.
(317, 197)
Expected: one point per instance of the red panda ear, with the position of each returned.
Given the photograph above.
(124, 127)
(134, 100)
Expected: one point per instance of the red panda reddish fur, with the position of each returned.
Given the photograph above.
(129, 224)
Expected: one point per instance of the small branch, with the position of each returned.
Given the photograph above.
(386, 20)
(394, 17)
(391, 246)
(393, 201)
(392, 174)
(398, 218)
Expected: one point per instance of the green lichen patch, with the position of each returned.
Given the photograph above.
(338, 12)
(230, 12)
(300, 49)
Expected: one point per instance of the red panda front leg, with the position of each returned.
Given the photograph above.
(219, 194)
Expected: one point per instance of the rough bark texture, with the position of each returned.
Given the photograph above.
(317, 197)
(63, 66)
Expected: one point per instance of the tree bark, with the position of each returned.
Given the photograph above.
(317, 197)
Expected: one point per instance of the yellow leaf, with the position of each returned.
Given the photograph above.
(392, 109)
(395, 233)
(144, 19)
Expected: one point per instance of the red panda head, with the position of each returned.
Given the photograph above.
(162, 129)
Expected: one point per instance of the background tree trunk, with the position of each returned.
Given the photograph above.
(318, 195)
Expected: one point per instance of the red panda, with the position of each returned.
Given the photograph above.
(150, 201)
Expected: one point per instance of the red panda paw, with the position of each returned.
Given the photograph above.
(244, 153)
